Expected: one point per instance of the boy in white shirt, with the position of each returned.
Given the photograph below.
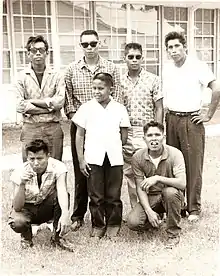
(102, 125)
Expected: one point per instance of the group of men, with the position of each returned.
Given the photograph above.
(101, 105)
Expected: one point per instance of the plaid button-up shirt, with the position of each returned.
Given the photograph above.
(52, 90)
(78, 81)
(34, 194)
(140, 97)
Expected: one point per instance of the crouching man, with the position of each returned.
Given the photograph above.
(160, 178)
(40, 195)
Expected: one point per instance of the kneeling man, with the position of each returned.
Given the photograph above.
(40, 194)
(160, 181)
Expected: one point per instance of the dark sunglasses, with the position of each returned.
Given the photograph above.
(35, 50)
(138, 57)
(93, 44)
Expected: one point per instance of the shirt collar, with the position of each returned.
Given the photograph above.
(82, 63)
(29, 70)
(140, 74)
(164, 155)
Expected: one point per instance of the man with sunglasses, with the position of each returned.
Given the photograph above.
(78, 80)
(143, 100)
(40, 96)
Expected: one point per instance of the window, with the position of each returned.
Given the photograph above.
(204, 35)
(111, 25)
(175, 19)
(72, 19)
(145, 30)
(30, 18)
(6, 61)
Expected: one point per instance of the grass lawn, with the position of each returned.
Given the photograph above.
(131, 253)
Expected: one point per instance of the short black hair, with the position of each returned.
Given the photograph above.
(153, 124)
(89, 32)
(105, 77)
(34, 39)
(37, 145)
(175, 35)
(133, 45)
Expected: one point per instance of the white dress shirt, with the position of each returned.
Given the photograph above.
(183, 86)
(102, 127)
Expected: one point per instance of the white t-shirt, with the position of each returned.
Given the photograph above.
(102, 127)
(183, 86)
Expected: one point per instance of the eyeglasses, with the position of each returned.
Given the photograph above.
(138, 57)
(93, 44)
(35, 50)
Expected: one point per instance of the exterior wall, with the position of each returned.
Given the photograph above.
(117, 23)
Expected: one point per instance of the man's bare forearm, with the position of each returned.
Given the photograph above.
(19, 199)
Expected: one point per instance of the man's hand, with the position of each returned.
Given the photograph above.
(63, 224)
(27, 176)
(153, 218)
(84, 168)
(148, 182)
(198, 118)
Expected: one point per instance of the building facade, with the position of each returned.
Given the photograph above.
(117, 23)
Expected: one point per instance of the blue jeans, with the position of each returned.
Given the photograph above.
(171, 201)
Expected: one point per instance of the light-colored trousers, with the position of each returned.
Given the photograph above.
(135, 142)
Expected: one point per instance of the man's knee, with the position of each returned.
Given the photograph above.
(170, 193)
(19, 223)
(135, 220)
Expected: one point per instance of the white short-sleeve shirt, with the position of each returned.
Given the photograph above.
(102, 127)
(183, 86)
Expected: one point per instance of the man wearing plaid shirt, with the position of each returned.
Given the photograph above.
(78, 80)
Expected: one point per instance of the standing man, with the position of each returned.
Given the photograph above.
(40, 97)
(78, 79)
(143, 100)
(160, 177)
(183, 81)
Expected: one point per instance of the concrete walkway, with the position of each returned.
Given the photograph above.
(13, 161)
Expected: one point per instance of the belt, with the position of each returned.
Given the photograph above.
(182, 114)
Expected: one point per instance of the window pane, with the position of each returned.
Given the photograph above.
(169, 13)
(65, 25)
(39, 8)
(65, 8)
(6, 59)
(4, 7)
(27, 24)
(26, 7)
(39, 24)
(5, 40)
(16, 7)
(208, 29)
(17, 23)
(6, 76)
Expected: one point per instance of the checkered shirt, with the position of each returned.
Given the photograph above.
(78, 81)
(140, 97)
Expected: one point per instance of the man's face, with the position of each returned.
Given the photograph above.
(37, 53)
(176, 50)
(38, 161)
(90, 46)
(133, 59)
(154, 139)
(101, 91)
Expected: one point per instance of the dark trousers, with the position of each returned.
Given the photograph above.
(48, 210)
(81, 194)
(51, 133)
(104, 188)
(170, 201)
(190, 139)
